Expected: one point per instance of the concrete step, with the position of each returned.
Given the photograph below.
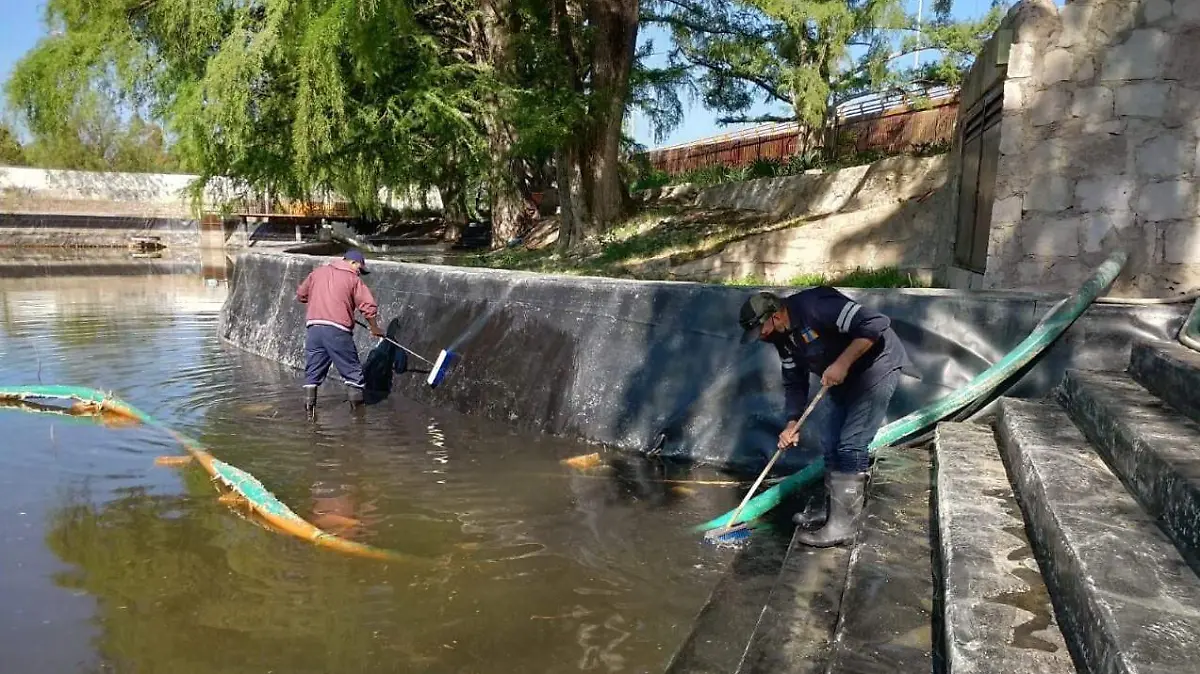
(887, 608)
(996, 611)
(1125, 598)
(797, 622)
(860, 609)
(1153, 448)
(727, 622)
(1171, 371)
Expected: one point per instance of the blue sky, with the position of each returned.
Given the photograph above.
(22, 27)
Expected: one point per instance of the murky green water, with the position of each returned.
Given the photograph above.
(109, 563)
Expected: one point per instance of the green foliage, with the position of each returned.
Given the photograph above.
(651, 180)
(296, 98)
(11, 151)
(885, 277)
(798, 53)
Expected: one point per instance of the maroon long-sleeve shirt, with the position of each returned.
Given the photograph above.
(332, 293)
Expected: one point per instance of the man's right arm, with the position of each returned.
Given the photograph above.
(303, 291)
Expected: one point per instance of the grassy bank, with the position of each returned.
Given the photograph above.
(646, 245)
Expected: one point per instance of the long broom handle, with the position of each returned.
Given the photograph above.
(778, 453)
(397, 344)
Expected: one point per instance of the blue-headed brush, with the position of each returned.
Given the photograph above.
(735, 533)
(439, 368)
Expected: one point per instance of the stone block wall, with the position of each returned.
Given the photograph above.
(1100, 146)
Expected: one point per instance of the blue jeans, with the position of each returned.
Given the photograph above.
(853, 423)
(325, 344)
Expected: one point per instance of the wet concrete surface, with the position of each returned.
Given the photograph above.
(998, 616)
(1126, 599)
(861, 608)
(1152, 447)
(888, 603)
(112, 563)
(1171, 371)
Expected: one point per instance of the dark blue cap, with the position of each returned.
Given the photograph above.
(357, 256)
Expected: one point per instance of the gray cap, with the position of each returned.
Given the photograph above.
(757, 309)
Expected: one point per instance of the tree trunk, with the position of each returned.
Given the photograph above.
(574, 219)
(506, 200)
(615, 26)
(454, 209)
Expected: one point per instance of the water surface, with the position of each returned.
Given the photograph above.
(110, 563)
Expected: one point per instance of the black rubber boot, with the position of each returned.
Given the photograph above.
(815, 514)
(847, 492)
(310, 402)
(355, 394)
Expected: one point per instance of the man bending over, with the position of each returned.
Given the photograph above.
(859, 357)
(332, 292)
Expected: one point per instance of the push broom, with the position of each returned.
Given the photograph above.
(438, 373)
(734, 532)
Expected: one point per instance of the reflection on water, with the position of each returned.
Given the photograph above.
(112, 563)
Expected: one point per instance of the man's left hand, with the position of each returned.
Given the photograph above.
(834, 374)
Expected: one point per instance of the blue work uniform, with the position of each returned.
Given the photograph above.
(823, 323)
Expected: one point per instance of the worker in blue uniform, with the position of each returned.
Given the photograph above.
(859, 357)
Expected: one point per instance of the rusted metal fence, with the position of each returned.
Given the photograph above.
(877, 127)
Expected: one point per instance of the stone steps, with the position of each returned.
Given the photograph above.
(887, 607)
(1125, 598)
(997, 613)
(1154, 449)
(859, 609)
(730, 618)
(1171, 372)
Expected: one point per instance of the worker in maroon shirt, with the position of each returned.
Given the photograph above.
(332, 292)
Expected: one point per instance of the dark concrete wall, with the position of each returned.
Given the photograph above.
(617, 361)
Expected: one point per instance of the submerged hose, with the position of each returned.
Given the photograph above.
(1055, 323)
(262, 502)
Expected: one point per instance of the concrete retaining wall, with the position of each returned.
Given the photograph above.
(893, 213)
(140, 195)
(617, 361)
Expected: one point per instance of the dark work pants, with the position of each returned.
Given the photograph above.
(325, 344)
(853, 423)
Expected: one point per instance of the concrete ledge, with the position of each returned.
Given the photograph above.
(997, 614)
(618, 362)
(1151, 446)
(1124, 596)
(1171, 371)
(887, 608)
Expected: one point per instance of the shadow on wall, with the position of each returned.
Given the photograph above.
(887, 214)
